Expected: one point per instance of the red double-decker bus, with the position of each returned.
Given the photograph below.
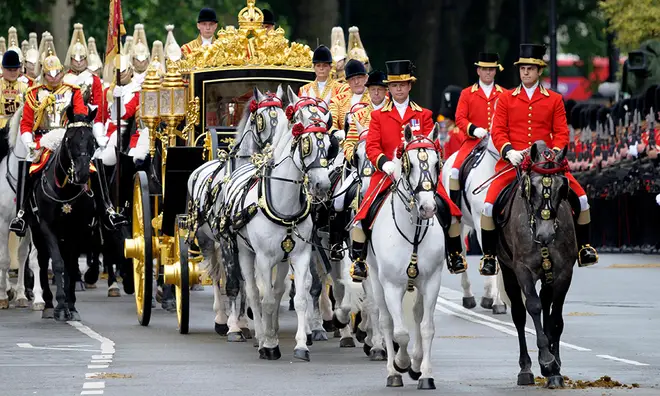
(574, 79)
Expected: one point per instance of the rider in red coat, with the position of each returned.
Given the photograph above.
(476, 107)
(385, 135)
(523, 116)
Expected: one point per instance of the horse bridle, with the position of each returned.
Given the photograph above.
(70, 172)
(421, 144)
(545, 211)
(258, 122)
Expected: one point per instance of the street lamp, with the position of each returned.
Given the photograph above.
(150, 105)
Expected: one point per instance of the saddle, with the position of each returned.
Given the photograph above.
(471, 161)
(374, 208)
(502, 206)
(350, 195)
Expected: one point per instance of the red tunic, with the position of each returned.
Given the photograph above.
(456, 140)
(98, 99)
(385, 135)
(519, 122)
(131, 109)
(32, 103)
(474, 110)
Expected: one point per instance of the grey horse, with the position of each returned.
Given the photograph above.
(538, 243)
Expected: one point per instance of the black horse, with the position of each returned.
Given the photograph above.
(66, 212)
(538, 243)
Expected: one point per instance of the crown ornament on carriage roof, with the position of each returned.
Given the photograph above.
(248, 46)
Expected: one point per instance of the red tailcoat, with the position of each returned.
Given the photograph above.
(385, 135)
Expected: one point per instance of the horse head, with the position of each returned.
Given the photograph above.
(420, 168)
(544, 187)
(307, 110)
(79, 145)
(267, 116)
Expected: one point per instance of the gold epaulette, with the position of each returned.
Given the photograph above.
(388, 106)
(498, 88)
(74, 86)
(543, 90)
(516, 91)
(475, 88)
(415, 106)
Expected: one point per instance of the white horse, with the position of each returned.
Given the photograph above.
(360, 302)
(259, 126)
(408, 251)
(16, 151)
(472, 221)
(279, 231)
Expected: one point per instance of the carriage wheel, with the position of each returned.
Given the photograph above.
(182, 286)
(139, 248)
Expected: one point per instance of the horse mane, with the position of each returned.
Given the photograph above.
(240, 129)
(52, 139)
(14, 127)
(282, 143)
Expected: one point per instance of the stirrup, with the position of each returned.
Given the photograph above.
(488, 257)
(589, 249)
(18, 225)
(450, 265)
(357, 278)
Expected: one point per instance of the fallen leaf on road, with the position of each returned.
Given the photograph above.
(110, 375)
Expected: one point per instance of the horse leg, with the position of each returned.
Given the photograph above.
(61, 311)
(377, 351)
(43, 261)
(72, 267)
(264, 273)
(220, 309)
(38, 303)
(427, 293)
(303, 279)
(519, 316)
(394, 379)
(247, 261)
(394, 299)
(113, 287)
(313, 314)
(418, 350)
(4, 298)
(554, 326)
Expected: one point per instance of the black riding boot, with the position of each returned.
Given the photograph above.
(455, 196)
(456, 262)
(359, 267)
(102, 196)
(488, 265)
(587, 255)
(18, 224)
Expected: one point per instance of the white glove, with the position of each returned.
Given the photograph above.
(389, 167)
(480, 132)
(657, 199)
(102, 141)
(117, 92)
(515, 157)
(632, 150)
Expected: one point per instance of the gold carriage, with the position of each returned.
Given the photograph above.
(194, 114)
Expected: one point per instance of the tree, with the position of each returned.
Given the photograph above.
(633, 21)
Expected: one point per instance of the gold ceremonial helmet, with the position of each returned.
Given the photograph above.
(12, 38)
(77, 47)
(355, 48)
(140, 50)
(52, 65)
(94, 62)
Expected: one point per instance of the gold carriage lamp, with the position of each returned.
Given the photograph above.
(173, 102)
(150, 105)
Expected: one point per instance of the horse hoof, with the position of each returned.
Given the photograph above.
(486, 302)
(302, 354)
(62, 315)
(319, 335)
(292, 307)
(272, 353)
(347, 342)
(309, 341)
(262, 353)
(366, 349)
(499, 309)
(414, 374)
(255, 343)
(75, 316)
(10, 296)
(328, 326)
(90, 285)
(221, 329)
(526, 379)
(360, 335)
(394, 381)
(169, 305)
(38, 306)
(235, 336)
(4, 304)
(337, 323)
(246, 333)
(250, 314)
(48, 313)
(396, 346)
(336, 333)
(555, 382)
(469, 302)
(22, 303)
(114, 293)
(426, 383)
(377, 355)
(400, 369)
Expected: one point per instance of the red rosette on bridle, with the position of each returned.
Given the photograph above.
(298, 129)
(289, 112)
(400, 150)
(253, 106)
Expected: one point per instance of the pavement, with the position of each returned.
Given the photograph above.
(612, 317)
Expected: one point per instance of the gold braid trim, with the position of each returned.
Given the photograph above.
(39, 111)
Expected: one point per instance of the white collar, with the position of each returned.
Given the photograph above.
(530, 91)
(379, 106)
(206, 42)
(322, 83)
(401, 107)
(487, 88)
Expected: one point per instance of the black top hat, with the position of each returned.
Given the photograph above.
(269, 17)
(449, 101)
(489, 59)
(207, 15)
(322, 54)
(11, 60)
(376, 77)
(531, 54)
(400, 71)
(354, 68)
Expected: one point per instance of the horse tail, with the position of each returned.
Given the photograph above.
(500, 286)
(14, 127)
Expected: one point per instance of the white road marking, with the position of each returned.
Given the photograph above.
(101, 360)
(107, 345)
(98, 361)
(97, 366)
(94, 385)
(101, 356)
(459, 311)
(616, 359)
(27, 345)
(91, 392)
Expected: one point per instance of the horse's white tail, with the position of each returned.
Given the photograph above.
(14, 127)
